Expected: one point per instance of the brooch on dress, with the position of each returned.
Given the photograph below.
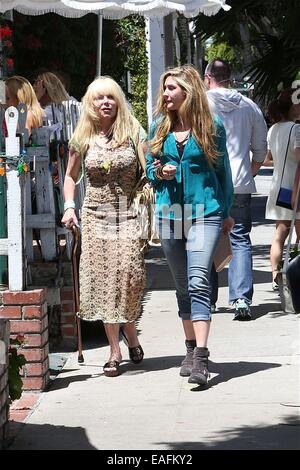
(106, 166)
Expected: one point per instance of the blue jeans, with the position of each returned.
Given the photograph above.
(189, 256)
(240, 279)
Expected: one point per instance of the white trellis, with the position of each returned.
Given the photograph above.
(36, 185)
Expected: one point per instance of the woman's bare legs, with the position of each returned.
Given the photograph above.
(112, 333)
(281, 234)
(131, 334)
(188, 330)
(136, 353)
(198, 330)
(297, 228)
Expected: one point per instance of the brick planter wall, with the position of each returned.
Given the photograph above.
(4, 397)
(27, 312)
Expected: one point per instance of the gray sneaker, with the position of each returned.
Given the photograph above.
(242, 310)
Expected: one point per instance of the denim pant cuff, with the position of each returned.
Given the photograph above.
(200, 316)
(195, 316)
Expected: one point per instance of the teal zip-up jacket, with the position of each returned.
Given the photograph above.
(198, 189)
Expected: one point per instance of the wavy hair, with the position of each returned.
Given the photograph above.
(22, 89)
(54, 87)
(124, 128)
(194, 109)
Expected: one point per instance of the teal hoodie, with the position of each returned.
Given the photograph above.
(198, 189)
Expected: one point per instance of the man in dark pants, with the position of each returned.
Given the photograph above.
(246, 132)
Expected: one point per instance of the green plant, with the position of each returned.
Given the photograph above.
(16, 362)
(265, 36)
(222, 49)
(132, 42)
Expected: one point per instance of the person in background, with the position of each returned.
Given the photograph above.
(246, 133)
(283, 136)
(187, 162)
(112, 273)
(66, 81)
(50, 90)
(19, 90)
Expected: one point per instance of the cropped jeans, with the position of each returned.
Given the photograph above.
(189, 253)
(240, 278)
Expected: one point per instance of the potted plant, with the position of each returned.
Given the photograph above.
(15, 363)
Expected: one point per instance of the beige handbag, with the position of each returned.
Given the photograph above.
(143, 201)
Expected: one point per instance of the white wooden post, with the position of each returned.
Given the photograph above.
(156, 60)
(28, 212)
(45, 205)
(15, 229)
(14, 206)
(12, 246)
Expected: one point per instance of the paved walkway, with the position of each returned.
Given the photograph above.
(252, 401)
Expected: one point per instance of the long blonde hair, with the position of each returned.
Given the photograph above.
(194, 109)
(22, 89)
(54, 87)
(125, 127)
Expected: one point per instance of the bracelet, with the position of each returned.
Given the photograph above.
(69, 205)
(158, 173)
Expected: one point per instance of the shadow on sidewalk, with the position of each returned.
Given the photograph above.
(152, 364)
(49, 437)
(282, 436)
(231, 370)
(257, 311)
(64, 382)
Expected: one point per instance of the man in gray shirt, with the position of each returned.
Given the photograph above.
(246, 132)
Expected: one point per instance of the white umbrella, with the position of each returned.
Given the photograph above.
(116, 9)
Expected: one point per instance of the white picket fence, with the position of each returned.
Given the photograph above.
(33, 199)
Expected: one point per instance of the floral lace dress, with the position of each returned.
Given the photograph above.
(111, 271)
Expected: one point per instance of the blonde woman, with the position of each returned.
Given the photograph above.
(188, 165)
(49, 89)
(19, 90)
(112, 275)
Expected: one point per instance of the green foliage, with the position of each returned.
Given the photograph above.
(16, 362)
(272, 32)
(222, 49)
(132, 43)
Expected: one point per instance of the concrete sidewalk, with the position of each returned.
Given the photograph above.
(252, 401)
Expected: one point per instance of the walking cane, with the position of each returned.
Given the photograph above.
(75, 243)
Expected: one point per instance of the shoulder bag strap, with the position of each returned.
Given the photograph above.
(286, 152)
